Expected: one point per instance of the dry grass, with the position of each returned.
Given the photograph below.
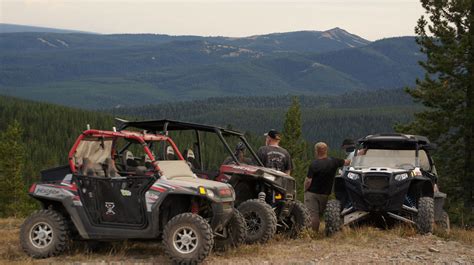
(457, 234)
(400, 244)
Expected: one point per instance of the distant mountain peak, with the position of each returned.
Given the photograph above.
(336, 29)
(343, 35)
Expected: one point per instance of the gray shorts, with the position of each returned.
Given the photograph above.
(316, 203)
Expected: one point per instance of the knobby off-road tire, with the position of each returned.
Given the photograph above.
(45, 233)
(332, 217)
(188, 239)
(260, 220)
(425, 217)
(235, 233)
(298, 219)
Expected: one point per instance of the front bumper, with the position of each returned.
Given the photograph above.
(384, 194)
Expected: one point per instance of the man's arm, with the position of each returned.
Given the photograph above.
(347, 162)
(307, 183)
(289, 166)
(309, 178)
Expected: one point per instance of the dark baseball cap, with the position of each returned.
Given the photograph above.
(240, 147)
(274, 134)
(347, 142)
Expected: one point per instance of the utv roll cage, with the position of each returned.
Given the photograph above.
(396, 141)
(165, 125)
(140, 138)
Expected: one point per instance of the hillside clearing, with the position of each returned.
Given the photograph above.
(362, 245)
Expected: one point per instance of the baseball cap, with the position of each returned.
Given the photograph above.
(274, 134)
(240, 147)
(348, 142)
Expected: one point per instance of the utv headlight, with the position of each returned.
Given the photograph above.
(353, 176)
(210, 194)
(269, 176)
(401, 177)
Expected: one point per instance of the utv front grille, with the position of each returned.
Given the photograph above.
(289, 185)
(376, 181)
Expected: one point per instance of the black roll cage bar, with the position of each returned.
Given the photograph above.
(165, 125)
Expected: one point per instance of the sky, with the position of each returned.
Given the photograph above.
(370, 19)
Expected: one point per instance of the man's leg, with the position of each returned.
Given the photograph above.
(312, 204)
(321, 200)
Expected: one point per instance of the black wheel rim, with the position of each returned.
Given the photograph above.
(254, 222)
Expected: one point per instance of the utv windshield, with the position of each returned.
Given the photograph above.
(402, 159)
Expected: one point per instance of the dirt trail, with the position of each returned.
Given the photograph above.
(355, 246)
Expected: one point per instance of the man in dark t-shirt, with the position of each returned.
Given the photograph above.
(319, 182)
(274, 156)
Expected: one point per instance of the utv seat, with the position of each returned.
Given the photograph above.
(170, 155)
(189, 156)
(129, 161)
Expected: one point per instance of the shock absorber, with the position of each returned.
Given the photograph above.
(261, 196)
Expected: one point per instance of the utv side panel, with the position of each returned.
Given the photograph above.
(112, 201)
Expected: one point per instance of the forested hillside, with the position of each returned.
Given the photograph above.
(95, 71)
(48, 130)
(325, 118)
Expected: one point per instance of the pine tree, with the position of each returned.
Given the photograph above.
(12, 187)
(292, 141)
(447, 90)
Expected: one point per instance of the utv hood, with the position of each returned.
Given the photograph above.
(256, 171)
(195, 183)
(281, 181)
(387, 170)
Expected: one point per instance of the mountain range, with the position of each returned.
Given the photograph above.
(9, 28)
(100, 71)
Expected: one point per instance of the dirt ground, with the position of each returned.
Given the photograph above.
(351, 246)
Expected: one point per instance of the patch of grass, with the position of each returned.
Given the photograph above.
(10, 250)
(457, 234)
